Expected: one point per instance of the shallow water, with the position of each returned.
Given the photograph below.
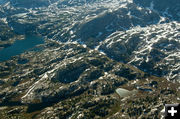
(20, 46)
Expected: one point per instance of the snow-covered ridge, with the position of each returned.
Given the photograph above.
(61, 19)
(157, 47)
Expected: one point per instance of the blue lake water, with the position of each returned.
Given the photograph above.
(2, 1)
(20, 46)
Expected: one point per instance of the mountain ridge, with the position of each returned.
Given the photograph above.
(91, 49)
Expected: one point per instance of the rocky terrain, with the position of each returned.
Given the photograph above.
(7, 35)
(154, 49)
(71, 81)
(92, 48)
